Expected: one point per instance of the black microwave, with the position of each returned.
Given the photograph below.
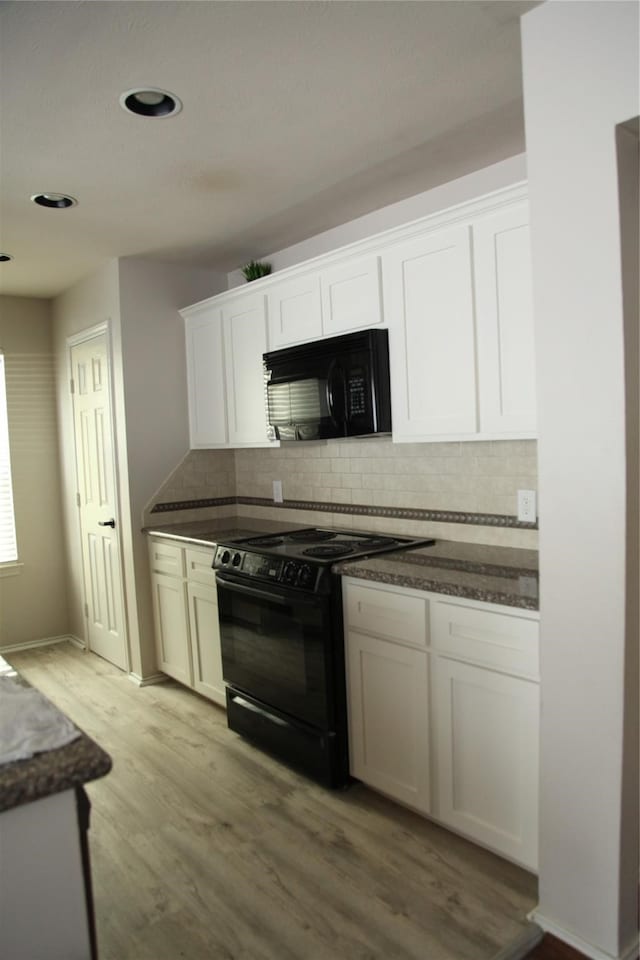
(338, 387)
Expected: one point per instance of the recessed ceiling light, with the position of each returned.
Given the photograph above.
(150, 102)
(58, 201)
(4, 257)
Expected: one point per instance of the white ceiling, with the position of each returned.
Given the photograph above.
(297, 116)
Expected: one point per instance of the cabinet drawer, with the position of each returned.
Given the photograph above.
(166, 558)
(199, 566)
(502, 641)
(385, 613)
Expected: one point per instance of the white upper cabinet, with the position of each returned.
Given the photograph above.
(325, 303)
(205, 378)
(224, 345)
(455, 291)
(458, 303)
(245, 340)
(429, 307)
(295, 313)
(351, 296)
(504, 318)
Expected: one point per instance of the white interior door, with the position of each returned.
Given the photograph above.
(96, 473)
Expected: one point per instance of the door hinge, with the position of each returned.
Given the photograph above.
(78, 499)
(86, 610)
(72, 386)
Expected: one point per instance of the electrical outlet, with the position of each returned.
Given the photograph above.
(277, 491)
(527, 506)
(528, 587)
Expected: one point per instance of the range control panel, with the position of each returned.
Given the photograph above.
(256, 566)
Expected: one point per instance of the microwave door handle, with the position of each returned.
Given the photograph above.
(331, 398)
(329, 390)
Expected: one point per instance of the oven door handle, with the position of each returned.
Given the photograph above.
(248, 591)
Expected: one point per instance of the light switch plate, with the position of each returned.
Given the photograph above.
(277, 491)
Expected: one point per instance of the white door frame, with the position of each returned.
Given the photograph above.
(90, 333)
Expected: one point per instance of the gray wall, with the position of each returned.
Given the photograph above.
(33, 602)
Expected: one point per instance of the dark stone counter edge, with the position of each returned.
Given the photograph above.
(352, 568)
(51, 772)
(436, 586)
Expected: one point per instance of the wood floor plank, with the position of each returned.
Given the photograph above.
(205, 848)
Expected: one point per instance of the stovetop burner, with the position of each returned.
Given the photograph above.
(337, 549)
(380, 541)
(264, 541)
(310, 536)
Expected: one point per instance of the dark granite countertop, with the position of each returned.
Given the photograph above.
(220, 531)
(504, 575)
(51, 771)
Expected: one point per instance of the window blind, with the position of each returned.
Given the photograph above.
(8, 548)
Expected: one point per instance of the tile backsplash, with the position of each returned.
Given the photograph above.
(480, 477)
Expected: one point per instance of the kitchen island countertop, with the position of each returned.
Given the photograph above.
(503, 575)
(52, 771)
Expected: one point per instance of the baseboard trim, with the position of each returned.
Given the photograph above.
(522, 946)
(588, 949)
(77, 642)
(43, 642)
(147, 681)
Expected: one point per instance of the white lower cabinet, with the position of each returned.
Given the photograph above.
(388, 718)
(170, 618)
(487, 756)
(205, 641)
(443, 704)
(185, 612)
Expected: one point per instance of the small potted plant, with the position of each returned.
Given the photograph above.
(255, 269)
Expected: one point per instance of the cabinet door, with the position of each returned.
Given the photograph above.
(429, 310)
(172, 631)
(245, 340)
(205, 379)
(388, 718)
(487, 757)
(351, 296)
(205, 641)
(295, 314)
(504, 317)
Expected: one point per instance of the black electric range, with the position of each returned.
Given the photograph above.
(281, 635)
(301, 559)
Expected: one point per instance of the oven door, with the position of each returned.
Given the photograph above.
(277, 647)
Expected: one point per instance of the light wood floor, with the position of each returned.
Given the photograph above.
(204, 848)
